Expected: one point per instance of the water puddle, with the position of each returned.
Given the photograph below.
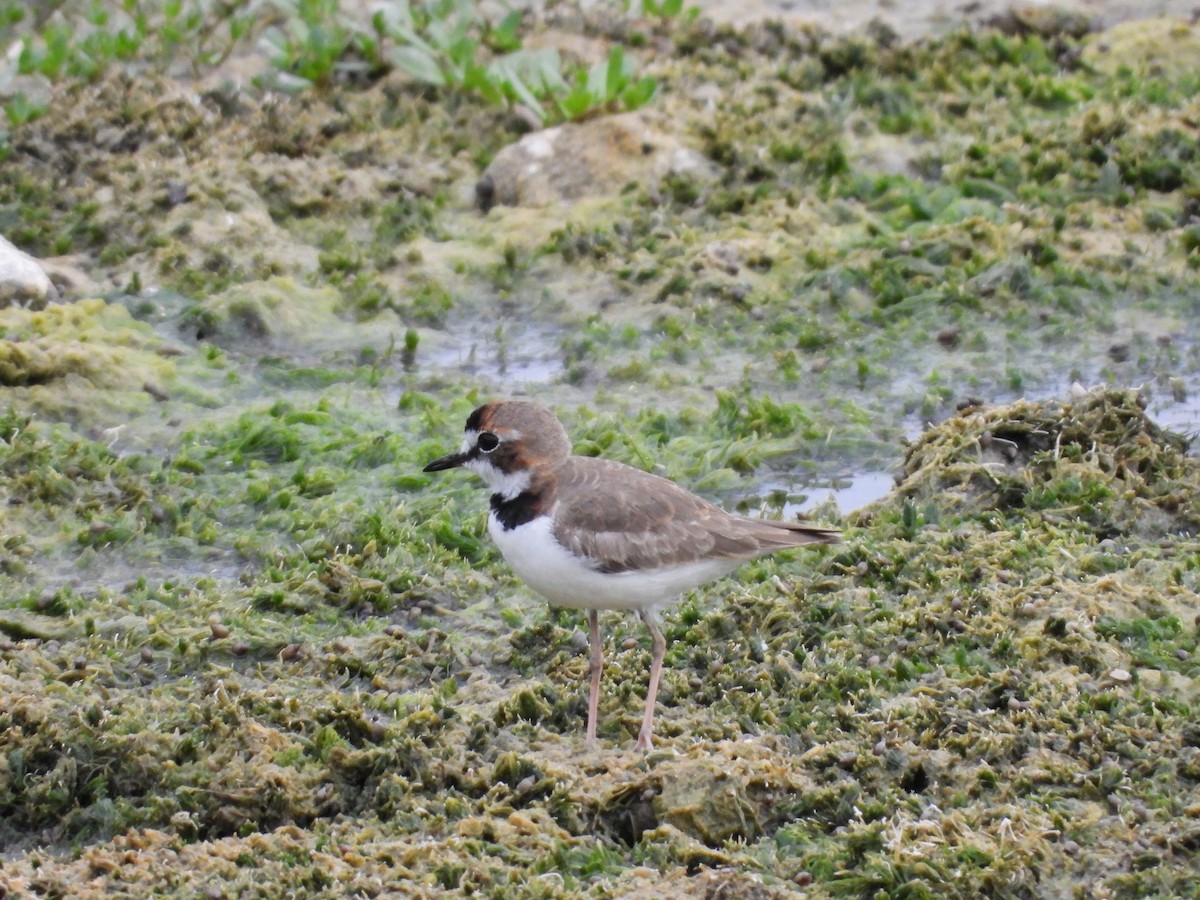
(512, 352)
(1180, 416)
(848, 492)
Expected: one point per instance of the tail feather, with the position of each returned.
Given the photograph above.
(797, 535)
(813, 534)
(771, 535)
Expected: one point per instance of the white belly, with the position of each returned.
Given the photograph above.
(566, 580)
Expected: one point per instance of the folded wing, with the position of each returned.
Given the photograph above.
(648, 522)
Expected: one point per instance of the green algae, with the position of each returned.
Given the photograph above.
(277, 310)
(69, 356)
(1043, 458)
(857, 721)
(284, 657)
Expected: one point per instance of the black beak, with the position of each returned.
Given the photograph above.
(449, 461)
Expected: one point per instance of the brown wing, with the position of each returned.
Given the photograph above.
(625, 518)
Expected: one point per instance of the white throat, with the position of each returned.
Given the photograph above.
(509, 485)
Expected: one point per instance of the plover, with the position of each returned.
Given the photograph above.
(596, 534)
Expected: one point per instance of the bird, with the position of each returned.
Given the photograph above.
(590, 533)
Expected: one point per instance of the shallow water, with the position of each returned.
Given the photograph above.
(847, 492)
(521, 354)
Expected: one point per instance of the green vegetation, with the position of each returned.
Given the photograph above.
(244, 639)
(449, 44)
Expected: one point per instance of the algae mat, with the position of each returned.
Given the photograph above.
(246, 642)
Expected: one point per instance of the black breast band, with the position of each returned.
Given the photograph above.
(525, 507)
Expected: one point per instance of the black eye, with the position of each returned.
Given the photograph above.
(487, 442)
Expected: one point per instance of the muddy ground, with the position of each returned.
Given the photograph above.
(921, 19)
(244, 641)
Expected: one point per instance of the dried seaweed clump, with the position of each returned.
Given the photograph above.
(1097, 459)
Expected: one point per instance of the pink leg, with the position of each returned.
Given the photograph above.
(659, 644)
(597, 663)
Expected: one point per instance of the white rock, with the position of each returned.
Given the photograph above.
(22, 279)
(597, 158)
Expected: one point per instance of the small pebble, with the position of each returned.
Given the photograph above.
(579, 642)
(146, 654)
(1120, 675)
(476, 658)
(1181, 654)
(956, 604)
(629, 643)
(218, 630)
(1070, 847)
(880, 747)
(80, 663)
(177, 192)
(804, 879)
(525, 785)
(848, 759)
(290, 652)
